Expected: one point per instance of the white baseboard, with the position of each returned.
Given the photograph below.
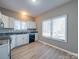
(71, 53)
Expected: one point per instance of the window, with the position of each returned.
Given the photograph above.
(55, 28)
(46, 28)
(59, 28)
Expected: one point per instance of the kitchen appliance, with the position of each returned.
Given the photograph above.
(31, 37)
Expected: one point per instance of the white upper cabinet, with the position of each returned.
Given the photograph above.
(11, 23)
(31, 24)
(23, 25)
(5, 20)
(0, 15)
(17, 24)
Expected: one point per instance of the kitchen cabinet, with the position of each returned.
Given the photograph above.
(23, 25)
(5, 20)
(0, 15)
(22, 39)
(19, 40)
(17, 24)
(11, 22)
(13, 41)
(36, 36)
(25, 38)
(31, 24)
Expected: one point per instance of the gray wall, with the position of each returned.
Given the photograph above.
(71, 10)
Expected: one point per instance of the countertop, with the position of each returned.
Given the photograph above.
(15, 32)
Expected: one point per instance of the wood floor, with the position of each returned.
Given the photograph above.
(38, 50)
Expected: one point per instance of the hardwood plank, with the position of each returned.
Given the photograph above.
(38, 50)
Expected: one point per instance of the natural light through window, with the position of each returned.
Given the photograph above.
(55, 28)
(59, 28)
(46, 28)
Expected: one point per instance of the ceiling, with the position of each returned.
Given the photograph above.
(31, 8)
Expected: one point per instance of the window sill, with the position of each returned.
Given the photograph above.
(55, 39)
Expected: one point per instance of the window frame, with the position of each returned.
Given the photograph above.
(50, 29)
(66, 28)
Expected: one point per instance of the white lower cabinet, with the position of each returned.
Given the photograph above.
(22, 39)
(13, 41)
(36, 36)
(25, 38)
(19, 40)
(11, 22)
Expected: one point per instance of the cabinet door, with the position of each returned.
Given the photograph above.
(31, 24)
(5, 20)
(0, 15)
(22, 39)
(12, 22)
(25, 38)
(19, 40)
(36, 36)
(13, 41)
